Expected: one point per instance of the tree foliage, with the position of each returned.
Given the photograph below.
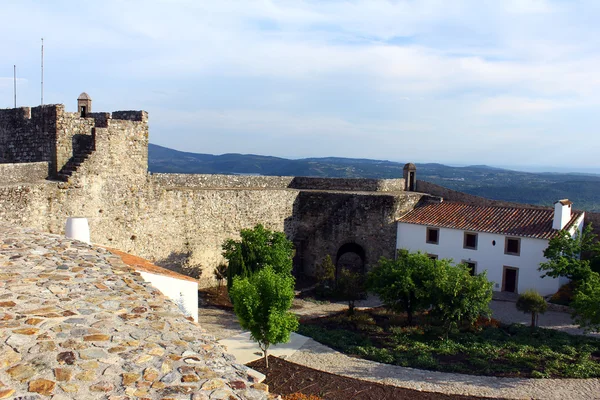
(533, 303)
(258, 247)
(325, 271)
(457, 296)
(564, 255)
(586, 303)
(414, 282)
(351, 287)
(401, 283)
(261, 303)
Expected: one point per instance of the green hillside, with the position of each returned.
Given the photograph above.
(480, 180)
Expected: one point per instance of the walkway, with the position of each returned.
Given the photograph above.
(315, 355)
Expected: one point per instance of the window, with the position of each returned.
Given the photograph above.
(512, 246)
(433, 235)
(432, 256)
(470, 241)
(472, 266)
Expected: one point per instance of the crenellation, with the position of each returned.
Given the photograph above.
(141, 116)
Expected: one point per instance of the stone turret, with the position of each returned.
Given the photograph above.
(84, 104)
(410, 177)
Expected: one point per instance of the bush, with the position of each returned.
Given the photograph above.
(400, 283)
(564, 296)
(261, 303)
(351, 287)
(457, 296)
(325, 272)
(532, 302)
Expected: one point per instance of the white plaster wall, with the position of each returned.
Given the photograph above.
(183, 293)
(487, 256)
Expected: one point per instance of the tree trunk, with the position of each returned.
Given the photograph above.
(265, 349)
(351, 307)
(532, 320)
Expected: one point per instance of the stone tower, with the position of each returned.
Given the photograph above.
(84, 104)
(410, 177)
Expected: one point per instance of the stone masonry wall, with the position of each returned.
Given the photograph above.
(181, 221)
(23, 172)
(29, 134)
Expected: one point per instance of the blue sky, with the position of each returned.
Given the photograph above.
(504, 83)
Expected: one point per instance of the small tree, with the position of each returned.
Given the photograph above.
(586, 303)
(400, 283)
(532, 302)
(351, 286)
(457, 296)
(261, 303)
(325, 272)
(220, 273)
(257, 248)
(564, 255)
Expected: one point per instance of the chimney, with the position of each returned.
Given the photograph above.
(562, 214)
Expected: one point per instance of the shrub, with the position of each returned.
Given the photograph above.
(564, 296)
(351, 287)
(586, 303)
(325, 272)
(220, 273)
(532, 302)
(261, 303)
(457, 296)
(400, 283)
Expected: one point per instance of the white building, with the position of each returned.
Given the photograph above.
(506, 242)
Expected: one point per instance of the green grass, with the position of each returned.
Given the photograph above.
(511, 350)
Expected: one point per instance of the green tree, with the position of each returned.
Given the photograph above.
(351, 287)
(564, 255)
(401, 283)
(457, 296)
(325, 271)
(258, 247)
(532, 302)
(261, 303)
(586, 303)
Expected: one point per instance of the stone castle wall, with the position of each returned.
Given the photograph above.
(180, 221)
(23, 172)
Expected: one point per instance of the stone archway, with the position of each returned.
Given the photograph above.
(350, 256)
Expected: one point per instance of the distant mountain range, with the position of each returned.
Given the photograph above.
(480, 180)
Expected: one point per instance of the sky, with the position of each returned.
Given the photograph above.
(512, 83)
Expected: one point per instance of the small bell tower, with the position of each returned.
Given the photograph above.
(84, 104)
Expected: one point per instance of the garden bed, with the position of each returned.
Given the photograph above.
(285, 378)
(493, 349)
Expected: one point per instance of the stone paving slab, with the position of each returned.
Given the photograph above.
(246, 350)
(76, 322)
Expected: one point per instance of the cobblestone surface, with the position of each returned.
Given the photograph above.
(75, 322)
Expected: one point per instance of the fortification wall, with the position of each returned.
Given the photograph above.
(204, 181)
(23, 172)
(29, 135)
(345, 184)
(180, 221)
(73, 134)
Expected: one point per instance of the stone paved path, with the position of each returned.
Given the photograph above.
(75, 322)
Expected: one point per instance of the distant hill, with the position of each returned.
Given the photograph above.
(480, 180)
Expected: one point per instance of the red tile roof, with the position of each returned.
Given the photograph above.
(526, 222)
